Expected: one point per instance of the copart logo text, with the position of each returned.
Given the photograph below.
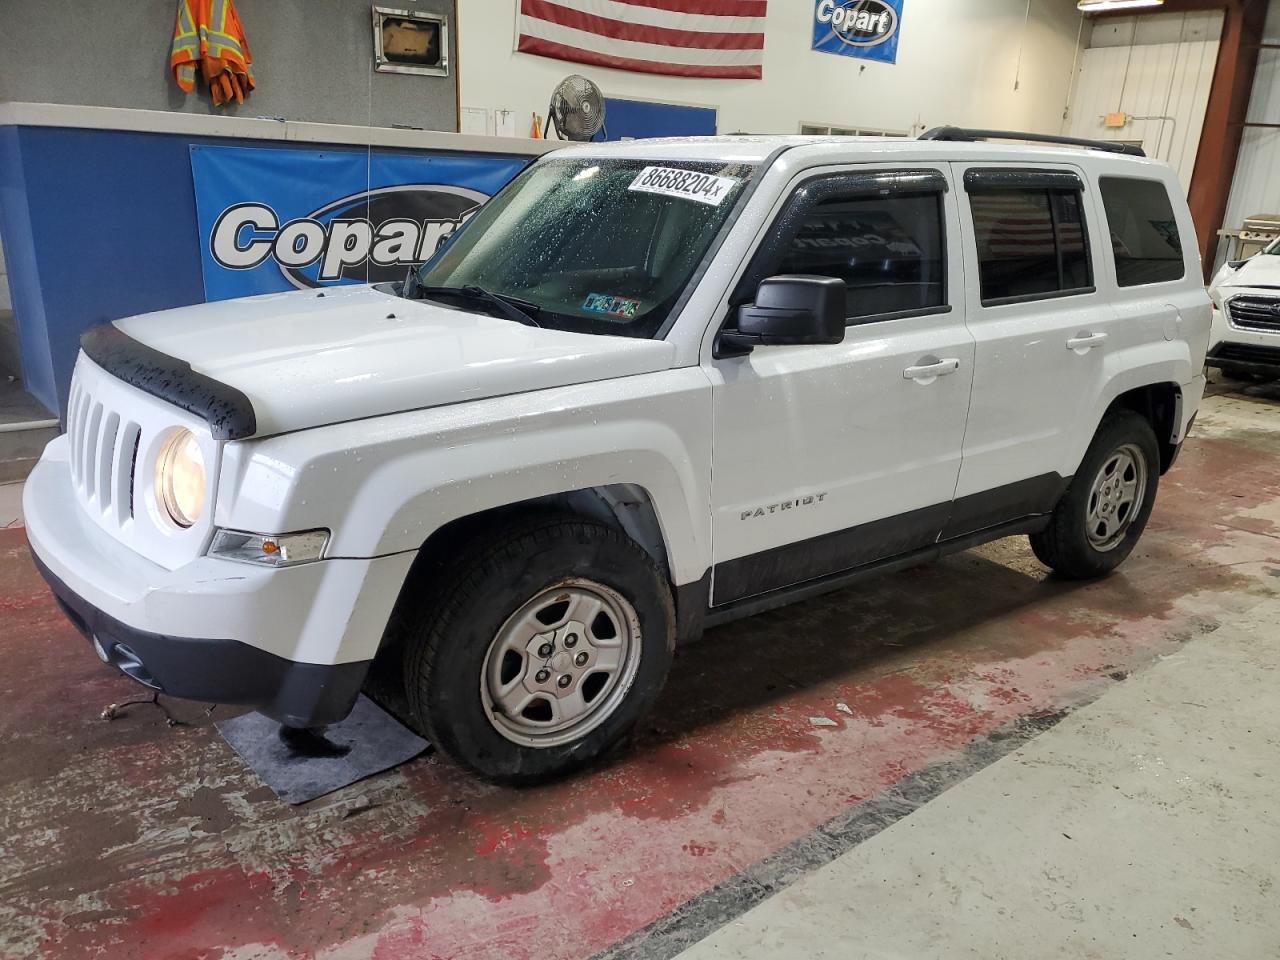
(859, 23)
(375, 235)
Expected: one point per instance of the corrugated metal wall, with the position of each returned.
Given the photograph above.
(1256, 187)
(1158, 69)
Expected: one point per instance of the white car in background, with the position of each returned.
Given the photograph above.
(1246, 318)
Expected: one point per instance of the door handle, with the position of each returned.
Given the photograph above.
(1085, 342)
(932, 370)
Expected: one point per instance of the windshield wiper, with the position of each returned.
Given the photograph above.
(513, 308)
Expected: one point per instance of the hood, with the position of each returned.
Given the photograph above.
(1261, 270)
(307, 358)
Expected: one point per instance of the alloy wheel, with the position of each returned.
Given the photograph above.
(560, 665)
(1116, 496)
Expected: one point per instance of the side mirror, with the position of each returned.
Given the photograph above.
(790, 310)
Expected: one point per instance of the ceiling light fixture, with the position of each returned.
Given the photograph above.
(1105, 6)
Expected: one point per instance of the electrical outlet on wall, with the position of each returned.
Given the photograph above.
(474, 120)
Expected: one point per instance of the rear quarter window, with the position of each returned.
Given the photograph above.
(1144, 231)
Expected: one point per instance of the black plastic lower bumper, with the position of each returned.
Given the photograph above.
(216, 671)
(1245, 356)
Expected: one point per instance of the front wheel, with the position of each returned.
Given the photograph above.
(1099, 519)
(540, 650)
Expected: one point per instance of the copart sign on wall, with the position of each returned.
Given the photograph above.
(285, 219)
(858, 28)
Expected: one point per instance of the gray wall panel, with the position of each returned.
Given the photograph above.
(313, 60)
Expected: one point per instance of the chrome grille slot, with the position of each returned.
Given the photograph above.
(126, 455)
(1254, 313)
(106, 459)
(73, 403)
(86, 407)
(75, 427)
(89, 450)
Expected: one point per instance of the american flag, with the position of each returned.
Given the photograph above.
(1010, 225)
(685, 38)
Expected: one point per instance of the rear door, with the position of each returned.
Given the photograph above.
(829, 457)
(1042, 331)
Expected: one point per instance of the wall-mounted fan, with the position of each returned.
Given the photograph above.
(577, 109)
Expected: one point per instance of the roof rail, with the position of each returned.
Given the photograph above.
(965, 134)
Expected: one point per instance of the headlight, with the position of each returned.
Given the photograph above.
(180, 478)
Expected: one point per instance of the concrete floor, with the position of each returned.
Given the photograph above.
(11, 504)
(887, 771)
(1143, 825)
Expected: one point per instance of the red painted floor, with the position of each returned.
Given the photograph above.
(134, 839)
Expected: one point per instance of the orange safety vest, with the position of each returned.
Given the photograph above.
(208, 32)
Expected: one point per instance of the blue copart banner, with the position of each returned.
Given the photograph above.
(284, 219)
(858, 28)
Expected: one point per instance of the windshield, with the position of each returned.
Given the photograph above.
(596, 245)
(1273, 247)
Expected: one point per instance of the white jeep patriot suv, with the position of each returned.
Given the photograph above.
(649, 388)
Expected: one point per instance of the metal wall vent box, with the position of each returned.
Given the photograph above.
(408, 42)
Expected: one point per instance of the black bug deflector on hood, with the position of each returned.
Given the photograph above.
(228, 411)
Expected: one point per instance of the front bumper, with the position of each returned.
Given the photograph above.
(1256, 351)
(294, 642)
(216, 671)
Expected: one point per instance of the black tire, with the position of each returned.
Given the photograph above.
(476, 597)
(1065, 545)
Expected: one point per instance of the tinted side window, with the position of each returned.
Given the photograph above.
(1031, 242)
(889, 251)
(1144, 233)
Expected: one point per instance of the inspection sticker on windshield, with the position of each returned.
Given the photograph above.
(703, 187)
(623, 307)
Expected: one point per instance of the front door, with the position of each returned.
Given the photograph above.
(829, 457)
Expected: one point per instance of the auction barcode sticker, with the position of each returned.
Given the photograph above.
(689, 184)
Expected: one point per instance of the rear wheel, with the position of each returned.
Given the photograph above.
(1099, 519)
(540, 650)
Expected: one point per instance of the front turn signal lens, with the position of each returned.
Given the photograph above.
(270, 550)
